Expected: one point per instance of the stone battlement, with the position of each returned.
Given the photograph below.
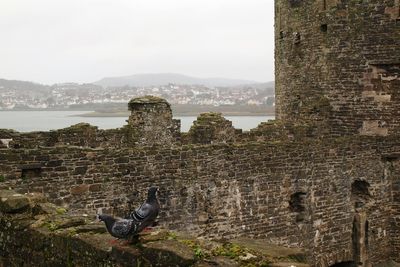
(323, 177)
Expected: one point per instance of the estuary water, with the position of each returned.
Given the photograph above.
(28, 121)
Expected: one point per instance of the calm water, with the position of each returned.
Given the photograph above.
(26, 121)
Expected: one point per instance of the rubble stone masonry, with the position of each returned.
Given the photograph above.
(230, 190)
(339, 61)
(324, 177)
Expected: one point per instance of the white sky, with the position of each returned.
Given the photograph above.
(51, 41)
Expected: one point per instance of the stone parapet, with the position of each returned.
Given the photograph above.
(36, 233)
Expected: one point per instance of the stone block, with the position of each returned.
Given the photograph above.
(170, 253)
(11, 202)
(95, 187)
(54, 163)
(80, 170)
(373, 128)
(79, 189)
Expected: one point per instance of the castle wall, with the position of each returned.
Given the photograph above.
(337, 74)
(207, 129)
(339, 62)
(295, 194)
(80, 135)
(151, 122)
(393, 172)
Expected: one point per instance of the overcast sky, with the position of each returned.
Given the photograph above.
(51, 41)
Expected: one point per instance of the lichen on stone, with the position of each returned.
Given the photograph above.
(146, 100)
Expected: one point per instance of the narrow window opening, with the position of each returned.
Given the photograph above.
(344, 264)
(297, 202)
(281, 34)
(295, 3)
(31, 171)
(360, 190)
(360, 194)
(324, 4)
(297, 205)
(324, 27)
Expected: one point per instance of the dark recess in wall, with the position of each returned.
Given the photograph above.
(296, 202)
(345, 264)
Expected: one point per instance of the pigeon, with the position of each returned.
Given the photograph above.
(147, 213)
(119, 228)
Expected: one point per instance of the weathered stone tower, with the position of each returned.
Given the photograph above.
(338, 62)
(151, 122)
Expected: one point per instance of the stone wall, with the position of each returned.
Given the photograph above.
(393, 172)
(292, 193)
(209, 128)
(80, 135)
(287, 181)
(339, 61)
(151, 122)
(212, 128)
(37, 233)
(338, 67)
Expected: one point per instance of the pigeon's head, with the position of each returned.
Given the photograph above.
(152, 192)
(103, 217)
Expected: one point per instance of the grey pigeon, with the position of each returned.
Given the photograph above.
(147, 213)
(119, 228)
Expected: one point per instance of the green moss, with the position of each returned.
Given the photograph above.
(197, 250)
(171, 236)
(232, 251)
(51, 226)
(188, 242)
(72, 232)
(78, 126)
(148, 99)
(198, 253)
(2, 179)
(61, 211)
(239, 253)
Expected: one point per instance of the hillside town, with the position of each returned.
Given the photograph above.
(21, 95)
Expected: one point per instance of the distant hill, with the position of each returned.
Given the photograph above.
(21, 85)
(262, 85)
(268, 87)
(158, 79)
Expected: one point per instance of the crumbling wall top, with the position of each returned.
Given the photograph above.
(147, 100)
(212, 127)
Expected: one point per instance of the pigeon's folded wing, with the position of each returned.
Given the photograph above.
(123, 228)
(143, 212)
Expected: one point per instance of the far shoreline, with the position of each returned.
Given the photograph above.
(96, 114)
